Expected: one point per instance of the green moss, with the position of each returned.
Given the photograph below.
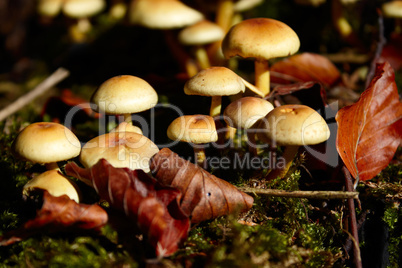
(59, 251)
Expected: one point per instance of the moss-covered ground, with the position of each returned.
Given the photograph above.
(276, 232)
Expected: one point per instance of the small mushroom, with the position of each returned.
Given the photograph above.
(120, 149)
(216, 82)
(292, 126)
(261, 39)
(198, 35)
(124, 95)
(197, 130)
(82, 10)
(163, 14)
(55, 183)
(46, 143)
(49, 8)
(245, 113)
(167, 15)
(393, 9)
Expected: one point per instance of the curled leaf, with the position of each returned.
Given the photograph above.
(153, 207)
(305, 67)
(59, 214)
(204, 196)
(309, 93)
(370, 131)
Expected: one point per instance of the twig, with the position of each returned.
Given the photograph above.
(352, 219)
(45, 85)
(302, 194)
(380, 45)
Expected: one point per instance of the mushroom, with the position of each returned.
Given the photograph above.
(292, 126)
(245, 113)
(167, 15)
(46, 143)
(55, 183)
(393, 9)
(197, 130)
(216, 82)
(243, 6)
(261, 39)
(199, 34)
(126, 127)
(120, 149)
(124, 95)
(49, 8)
(82, 10)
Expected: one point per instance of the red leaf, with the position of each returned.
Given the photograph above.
(204, 195)
(369, 131)
(305, 67)
(59, 214)
(153, 207)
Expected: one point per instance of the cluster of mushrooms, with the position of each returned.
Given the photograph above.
(262, 39)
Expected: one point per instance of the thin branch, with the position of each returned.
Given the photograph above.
(380, 45)
(352, 219)
(45, 85)
(302, 194)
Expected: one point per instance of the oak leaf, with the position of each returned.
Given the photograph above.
(153, 207)
(204, 196)
(59, 214)
(370, 131)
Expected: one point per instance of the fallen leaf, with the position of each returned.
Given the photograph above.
(370, 131)
(305, 67)
(309, 93)
(204, 196)
(59, 214)
(153, 207)
(57, 107)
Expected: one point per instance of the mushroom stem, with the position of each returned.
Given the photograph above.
(51, 166)
(262, 76)
(216, 104)
(252, 146)
(224, 14)
(230, 132)
(200, 157)
(127, 118)
(202, 57)
(288, 156)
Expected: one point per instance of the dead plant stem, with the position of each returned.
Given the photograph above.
(45, 85)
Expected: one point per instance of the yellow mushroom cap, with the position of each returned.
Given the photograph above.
(53, 182)
(293, 125)
(246, 111)
(46, 142)
(49, 7)
(392, 9)
(82, 8)
(195, 129)
(244, 5)
(214, 81)
(124, 94)
(201, 33)
(260, 38)
(120, 149)
(163, 14)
